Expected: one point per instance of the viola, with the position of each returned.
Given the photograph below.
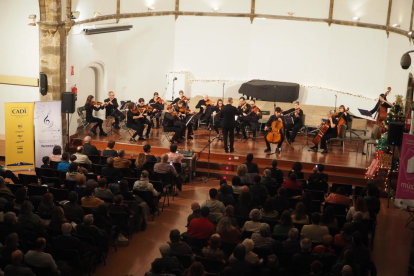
(341, 120)
(274, 135)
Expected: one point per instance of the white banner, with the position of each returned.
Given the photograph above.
(48, 129)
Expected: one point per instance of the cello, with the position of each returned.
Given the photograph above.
(341, 120)
(274, 136)
(321, 132)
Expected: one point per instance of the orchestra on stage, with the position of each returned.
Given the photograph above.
(181, 122)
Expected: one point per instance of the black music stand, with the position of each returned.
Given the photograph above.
(365, 112)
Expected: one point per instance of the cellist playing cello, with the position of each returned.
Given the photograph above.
(279, 125)
(329, 130)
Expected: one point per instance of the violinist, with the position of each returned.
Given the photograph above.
(297, 115)
(217, 119)
(205, 106)
(331, 132)
(133, 117)
(276, 117)
(111, 109)
(244, 109)
(251, 119)
(170, 119)
(158, 104)
(90, 106)
(182, 98)
(184, 116)
(146, 113)
(228, 114)
(382, 102)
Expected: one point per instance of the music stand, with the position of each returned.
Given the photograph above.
(365, 112)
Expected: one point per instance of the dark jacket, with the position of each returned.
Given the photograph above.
(89, 109)
(167, 263)
(169, 120)
(73, 212)
(276, 174)
(89, 149)
(111, 171)
(228, 113)
(252, 167)
(20, 270)
(69, 242)
(318, 176)
(290, 112)
(110, 107)
(109, 153)
(259, 190)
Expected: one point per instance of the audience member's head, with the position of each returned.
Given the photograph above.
(205, 212)
(66, 228)
(58, 214)
(73, 197)
(239, 252)
(297, 167)
(300, 211)
(40, 244)
(16, 257)
(224, 226)
(164, 158)
(236, 181)
(348, 229)
(242, 170)
(272, 262)
(123, 187)
(285, 219)
(361, 205)
(257, 178)
(73, 167)
(306, 245)
(119, 199)
(9, 218)
(110, 162)
(79, 149)
(12, 240)
(249, 157)
(89, 191)
(223, 181)
(347, 271)
(121, 153)
(282, 192)
(47, 199)
(349, 256)
(224, 189)
(274, 163)
(175, 236)
(2, 182)
(268, 206)
(88, 220)
(316, 218)
(293, 234)
(26, 208)
(229, 210)
(245, 197)
(293, 177)
(372, 189)
(358, 217)
(73, 158)
(195, 206)
(102, 183)
(321, 167)
(196, 269)
(328, 215)
(65, 157)
(267, 173)
(111, 144)
(141, 160)
(255, 215)
(227, 271)
(46, 160)
(147, 148)
(327, 241)
(316, 267)
(213, 193)
(165, 250)
(248, 244)
(264, 230)
(173, 148)
(80, 180)
(215, 241)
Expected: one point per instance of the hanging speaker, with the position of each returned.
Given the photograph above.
(395, 133)
(43, 83)
(68, 102)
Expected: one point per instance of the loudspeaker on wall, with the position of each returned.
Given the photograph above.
(395, 133)
(68, 102)
(43, 83)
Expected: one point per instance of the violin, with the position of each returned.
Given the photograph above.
(97, 103)
(159, 100)
(184, 110)
(244, 107)
(174, 114)
(255, 110)
(184, 99)
(274, 135)
(208, 102)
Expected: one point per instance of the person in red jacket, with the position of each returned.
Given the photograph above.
(201, 228)
(291, 182)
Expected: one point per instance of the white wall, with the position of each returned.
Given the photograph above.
(19, 51)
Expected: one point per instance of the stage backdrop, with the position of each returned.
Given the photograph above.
(19, 135)
(48, 128)
(405, 186)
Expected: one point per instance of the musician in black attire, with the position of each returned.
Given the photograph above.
(89, 108)
(134, 123)
(184, 118)
(228, 114)
(217, 119)
(276, 117)
(112, 107)
(382, 101)
(297, 115)
(332, 132)
(171, 126)
(244, 109)
(182, 98)
(144, 121)
(251, 120)
(205, 112)
(158, 104)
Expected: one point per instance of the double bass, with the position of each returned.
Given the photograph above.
(274, 136)
(382, 114)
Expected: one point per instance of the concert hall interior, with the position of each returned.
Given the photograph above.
(206, 137)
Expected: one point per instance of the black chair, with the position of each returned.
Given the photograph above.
(132, 166)
(95, 159)
(126, 172)
(316, 206)
(122, 221)
(92, 176)
(317, 195)
(51, 181)
(61, 175)
(149, 166)
(71, 256)
(158, 186)
(211, 266)
(299, 226)
(35, 190)
(69, 184)
(293, 192)
(54, 164)
(96, 168)
(348, 188)
(319, 186)
(47, 172)
(103, 160)
(338, 208)
(168, 182)
(14, 187)
(38, 173)
(84, 165)
(292, 202)
(59, 194)
(303, 182)
(272, 189)
(151, 201)
(131, 182)
(27, 179)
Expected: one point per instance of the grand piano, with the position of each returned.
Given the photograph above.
(274, 91)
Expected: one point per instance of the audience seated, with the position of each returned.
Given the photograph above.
(64, 164)
(88, 148)
(4, 173)
(177, 247)
(201, 228)
(164, 167)
(238, 263)
(236, 184)
(360, 205)
(216, 207)
(103, 221)
(110, 170)
(73, 171)
(325, 247)
(349, 259)
(291, 183)
(72, 210)
(66, 241)
(196, 268)
(26, 217)
(229, 213)
(275, 172)
(242, 172)
(3, 188)
(89, 200)
(228, 232)
(285, 224)
(212, 251)
(338, 197)
(315, 232)
(174, 156)
(87, 229)
(46, 163)
(58, 219)
(372, 200)
(20, 197)
(306, 199)
(110, 151)
(10, 226)
(299, 216)
(140, 161)
(268, 211)
(38, 258)
(12, 242)
(267, 178)
(8, 207)
(272, 267)
(121, 162)
(328, 218)
(297, 169)
(318, 174)
(362, 254)
(144, 184)
(254, 224)
(16, 267)
(292, 244)
(167, 262)
(81, 157)
(251, 257)
(262, 240)
(347, 271)
(195, 207)
(317, 268)
(345, 237)
(225, 196)
(360, 226)
(258, 189)
(224, 181)
(102, 191)
(119, 207)
(280, 201)
(301, 262)
(244, 206)
(147, 150)
(46, 206)
(251, 167)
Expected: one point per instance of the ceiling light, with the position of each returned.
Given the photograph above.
(410, 33)
(396, 25)
(96, 14)
(74, 15)
(290, 14)
(356, 18)
(33, 17)
(216, 9)
(262, 18)
(151, 8)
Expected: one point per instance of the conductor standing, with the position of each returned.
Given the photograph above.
(228, 114)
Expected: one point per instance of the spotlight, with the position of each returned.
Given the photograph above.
(405, 61)
(96, 14)
(410, 32)
(33, 17)
(396, 25)
(75, 15)
(216, 9)
(356, 18)
(151, 8)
